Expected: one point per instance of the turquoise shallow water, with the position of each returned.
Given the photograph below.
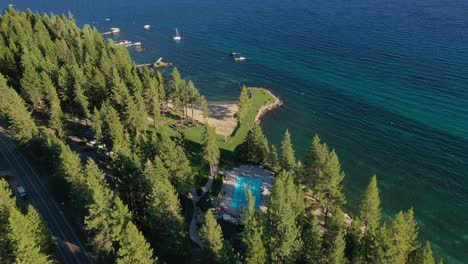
(384, 82)
(254, 184)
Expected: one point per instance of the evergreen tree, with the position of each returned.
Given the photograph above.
(403, 233)
(31, 87)
(21, 124)
(68, 166)
(107, 218)
(131, 184)
(254, 251)
(285, 206)
(81, 100)
(370, 206)
(164, 213)
(314, 164)
(39, 231)
(134, 248)
(193, 95)
(210, 148)
(54, 109)
(244, 104)
(22, 232)
(370, 249)
(212, 237)
(204, 106)
(422, 255)
(227, 255)
(273, 160)
(333, 197)
(176, 162)
(112, 131)
(256, 146)
(312, 243)
(26, 238)
(334, 244)
(179, 93)
(288, 161)
(337, 254)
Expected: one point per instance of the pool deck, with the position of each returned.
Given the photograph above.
(229, 183)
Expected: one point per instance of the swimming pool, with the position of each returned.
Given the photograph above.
(239, 198)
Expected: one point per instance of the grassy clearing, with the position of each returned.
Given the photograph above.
(193, 136)
(260, 97)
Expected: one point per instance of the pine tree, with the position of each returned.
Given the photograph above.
(337, 254)
(22, 232)
(26, 240)
(176, 162)
(193, 95)
(422, 255)
(288, 161)
(210, 148)
(21, 124)
(131, 184)
(31, 87)
(204, 106)
(244, 104)
(107, 218)
(68, 166)
(312, 243)
(54, 109)
(333, 240)
(112, 130)
(273, 160)
(39, 231)
(256, 146)
(164, 213)
(254, 251)
(332, 193)
(227, 255)
(285, 206)
(370, 206)
(179, 93)
(370, 249)
(134, 248)
(398, 239)
(428, 258)
(314, 164)
(212, 237)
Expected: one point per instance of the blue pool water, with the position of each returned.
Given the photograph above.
(239, 198)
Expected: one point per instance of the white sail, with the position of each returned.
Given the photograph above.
(177, 36)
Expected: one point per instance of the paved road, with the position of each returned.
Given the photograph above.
(69, 248)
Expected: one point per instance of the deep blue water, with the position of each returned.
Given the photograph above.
(384, 82)
(239, 198)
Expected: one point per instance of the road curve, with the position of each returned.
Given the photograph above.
(69, 248)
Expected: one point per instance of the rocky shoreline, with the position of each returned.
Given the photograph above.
(269, 107)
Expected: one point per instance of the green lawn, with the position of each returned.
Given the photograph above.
(193, 135)
(260, 97)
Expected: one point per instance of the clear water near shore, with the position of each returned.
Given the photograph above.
(384, 82)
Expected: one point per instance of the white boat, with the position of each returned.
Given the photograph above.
(147, 26)
(115, 30)
(177, 36)
(240, 58)
(123, 42)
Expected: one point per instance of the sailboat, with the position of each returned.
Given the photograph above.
(177, 36)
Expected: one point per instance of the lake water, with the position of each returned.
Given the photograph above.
(384, 82)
